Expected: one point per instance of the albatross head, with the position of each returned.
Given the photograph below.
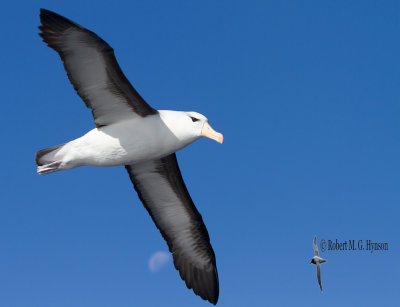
(190, 125)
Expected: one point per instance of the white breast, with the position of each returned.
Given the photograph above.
(126, 142)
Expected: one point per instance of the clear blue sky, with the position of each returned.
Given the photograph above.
(307, 97)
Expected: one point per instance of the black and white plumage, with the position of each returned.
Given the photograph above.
(178, 220)
(130, 132)
(93, 70)
(317, 261)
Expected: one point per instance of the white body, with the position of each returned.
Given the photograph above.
(317, 260)
(130, 141)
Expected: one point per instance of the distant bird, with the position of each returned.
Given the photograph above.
(317, 261)
(130, 132)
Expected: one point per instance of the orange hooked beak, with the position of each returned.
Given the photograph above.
(211, 133)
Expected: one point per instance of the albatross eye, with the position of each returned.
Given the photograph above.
(194, 119)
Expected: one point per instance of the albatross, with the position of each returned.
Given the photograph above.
(131, 133)
(317, 260)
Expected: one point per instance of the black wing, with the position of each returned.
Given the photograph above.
(319, 275)
(93, 70)
(162, 191)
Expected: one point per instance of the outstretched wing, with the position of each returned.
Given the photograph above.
(163, 193)
(319, 275)
(93, 70)
(315, 247)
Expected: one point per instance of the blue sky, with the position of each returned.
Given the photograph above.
(307, 97)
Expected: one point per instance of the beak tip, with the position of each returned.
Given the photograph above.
(209, 132)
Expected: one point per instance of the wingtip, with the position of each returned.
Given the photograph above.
(52, 26)
(44, 13)
(209, 289)
(47, 16)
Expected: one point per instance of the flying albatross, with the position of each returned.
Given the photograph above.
(130, 132)
(317, 260)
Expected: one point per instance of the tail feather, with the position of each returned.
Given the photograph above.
(46, 160)
(46, 156)
(49, 168)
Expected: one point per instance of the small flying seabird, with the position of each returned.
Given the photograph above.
(317, 261)
(130, 132)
